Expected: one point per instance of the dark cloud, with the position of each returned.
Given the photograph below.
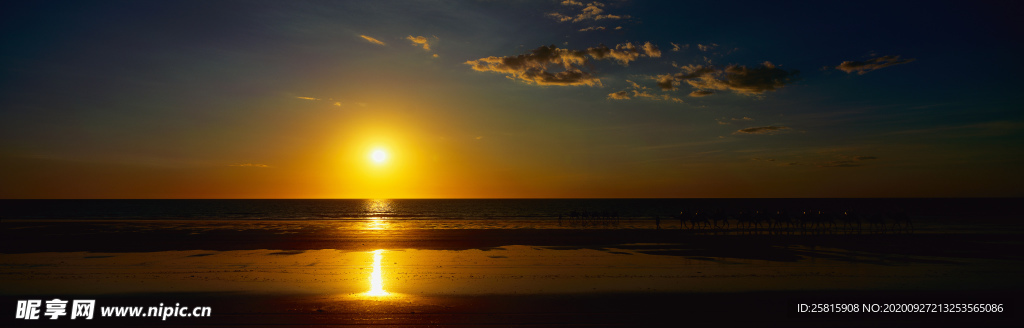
(771, 129)
(864, 158)
(667, 82)
(624, 53)
(740, 79)
(862, 67)
(534, 67)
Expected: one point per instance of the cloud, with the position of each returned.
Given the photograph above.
(372, 40)
(418, 40)
(636, 85)
(624, 53)
(771, 129)
(621, 95)
(707, 47)
(725, 121)
(648, 95)
(337, 103)
(679, 47)
(740, 79)
(639, 91)
(534, 67)
(701, 93)
(592, 28)
(651, 50)
(864, 158)
(591, 11)
(250, 165)
(667, 82)
(862, 67)
(307, 98)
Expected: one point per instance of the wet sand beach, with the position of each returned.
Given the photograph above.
(321, 273)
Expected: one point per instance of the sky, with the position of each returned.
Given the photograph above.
(510, 99)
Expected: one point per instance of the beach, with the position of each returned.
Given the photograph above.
(266, 273)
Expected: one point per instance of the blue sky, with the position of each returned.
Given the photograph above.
(253, 99)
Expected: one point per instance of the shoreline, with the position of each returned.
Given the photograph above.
(313, 273)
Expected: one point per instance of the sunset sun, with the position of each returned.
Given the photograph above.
(379, 156)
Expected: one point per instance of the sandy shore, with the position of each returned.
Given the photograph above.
(260, 273)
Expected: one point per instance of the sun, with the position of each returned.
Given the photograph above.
(379, 156)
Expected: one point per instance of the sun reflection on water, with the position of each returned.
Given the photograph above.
(377, 223)
(376, 278)
(378, 207)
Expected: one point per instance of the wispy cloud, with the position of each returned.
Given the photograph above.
(419, 40)
(727, 121)
(648, 95)
(639, 91)
(771, 129)
(591, 11)
(592, 28)
(372, 40)
(621, 95)
(307, 98)
(862, 67)
(707, 47)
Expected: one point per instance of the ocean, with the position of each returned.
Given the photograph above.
(957, 209)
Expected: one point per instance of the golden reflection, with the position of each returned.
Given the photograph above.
(376, 278)
(378, 210)
(377, 223)
(378, 207)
